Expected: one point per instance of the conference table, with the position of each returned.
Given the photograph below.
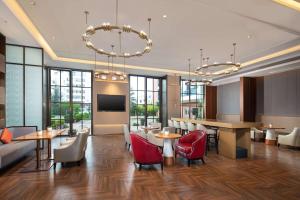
(232, 135)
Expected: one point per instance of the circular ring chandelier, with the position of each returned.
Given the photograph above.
(217, 69)
(107, 27)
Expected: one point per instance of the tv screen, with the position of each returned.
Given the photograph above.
(111, 103)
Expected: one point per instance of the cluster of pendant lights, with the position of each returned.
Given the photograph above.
(208, 71)
(110, 74)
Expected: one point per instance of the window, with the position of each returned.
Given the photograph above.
(192, 100)
(71, 101)
(24, 86)
(144, 101)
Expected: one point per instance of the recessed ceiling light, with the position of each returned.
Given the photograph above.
(32, 3)
(165, 16)
(249, 36)
(294, 4)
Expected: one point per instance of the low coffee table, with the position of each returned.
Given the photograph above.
(38, 137)
(168, 148)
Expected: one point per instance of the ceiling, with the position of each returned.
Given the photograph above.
(213, 25)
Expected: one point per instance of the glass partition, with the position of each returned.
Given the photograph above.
(24, 86)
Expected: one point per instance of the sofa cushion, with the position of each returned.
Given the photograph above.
(6, 136)
(14, 151)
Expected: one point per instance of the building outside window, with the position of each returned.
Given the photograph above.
(192, 100)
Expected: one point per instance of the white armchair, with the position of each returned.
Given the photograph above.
(126, 136)
(154, 140)
(155, 125)
(255, 133)
(142, 134)
(74, 151)
(292, 139)
(169, 129)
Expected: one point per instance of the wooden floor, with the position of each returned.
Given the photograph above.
(109, 173)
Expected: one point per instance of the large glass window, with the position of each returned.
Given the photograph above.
(144, 101)
(192, 100)
(24, 86)
(71, 101)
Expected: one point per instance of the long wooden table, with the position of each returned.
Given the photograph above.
(39, 136)
(232, 134)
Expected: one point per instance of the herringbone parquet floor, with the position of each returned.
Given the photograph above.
(108, 173)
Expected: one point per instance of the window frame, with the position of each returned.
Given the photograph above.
(191, 101)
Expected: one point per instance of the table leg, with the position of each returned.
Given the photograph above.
(271, 137)
(168, 152)
(49, 148)
(38, 155)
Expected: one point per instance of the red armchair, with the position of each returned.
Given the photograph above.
(144, 152)
(192, 146)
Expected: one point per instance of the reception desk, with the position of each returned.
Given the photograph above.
(232, 134)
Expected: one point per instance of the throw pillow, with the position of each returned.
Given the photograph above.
(6, 136)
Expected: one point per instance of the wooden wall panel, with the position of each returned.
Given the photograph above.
(247, 99)
(210, 102)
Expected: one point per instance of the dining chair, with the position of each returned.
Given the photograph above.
(170, 123)
(211, 134)
(177, 126)
(191, 126)
(126, 136)
(183, 128)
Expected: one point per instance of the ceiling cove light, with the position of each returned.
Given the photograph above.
(107, 27)
(23, 18)
(289, 3)
(218, 69)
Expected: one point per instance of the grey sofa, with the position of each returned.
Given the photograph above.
(9, 153)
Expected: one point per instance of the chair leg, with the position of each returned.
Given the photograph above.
(140, 167)
(162, 166)
(202, 160)
(189, 162)
(216, 143)
(125, 144)
(129, 146)
(54, 166)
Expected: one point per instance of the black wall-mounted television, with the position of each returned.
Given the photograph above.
(111, 103)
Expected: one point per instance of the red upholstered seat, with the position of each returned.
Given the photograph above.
(184, 148)
(144, 152)
(192, 146)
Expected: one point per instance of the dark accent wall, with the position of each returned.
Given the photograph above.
(228, 99)
(210, 102)
(2, 80)
(279, 94)
(247, 99)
